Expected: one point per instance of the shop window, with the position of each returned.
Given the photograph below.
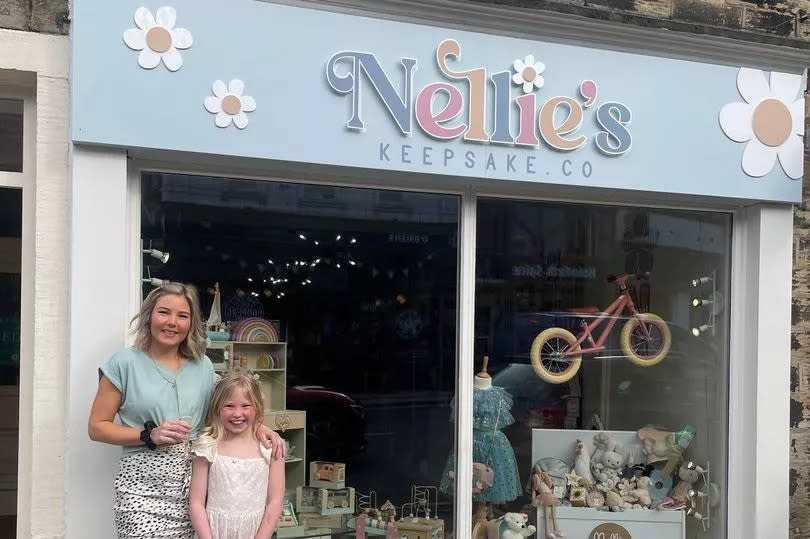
(644, 407)
(11, 135)
(355, 290)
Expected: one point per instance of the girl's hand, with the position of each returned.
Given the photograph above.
(171, 431)
(272, 440)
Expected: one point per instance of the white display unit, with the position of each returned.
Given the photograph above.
(273, 377)
(580, 522)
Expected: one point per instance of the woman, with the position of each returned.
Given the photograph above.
(160, 389)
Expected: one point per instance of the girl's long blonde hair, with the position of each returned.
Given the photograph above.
(236, 379)
(193, 346)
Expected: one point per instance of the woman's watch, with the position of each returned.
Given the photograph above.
(146, 434)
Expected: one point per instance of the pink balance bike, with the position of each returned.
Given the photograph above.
(556, 353)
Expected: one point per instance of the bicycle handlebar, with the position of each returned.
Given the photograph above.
(623, 278)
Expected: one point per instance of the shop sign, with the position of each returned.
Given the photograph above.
(297, 85)
(437, 106)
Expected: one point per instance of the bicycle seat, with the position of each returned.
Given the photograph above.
(583, 310)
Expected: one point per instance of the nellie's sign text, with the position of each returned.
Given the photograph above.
(437, 107)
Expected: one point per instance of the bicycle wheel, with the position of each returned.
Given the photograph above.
(645, 339)
(547, 356)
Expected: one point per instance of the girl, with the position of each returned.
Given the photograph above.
(159, 389)
(236, 489)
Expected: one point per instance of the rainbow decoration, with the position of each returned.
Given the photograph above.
(254, 330)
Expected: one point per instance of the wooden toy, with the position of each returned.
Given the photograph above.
(327, 474)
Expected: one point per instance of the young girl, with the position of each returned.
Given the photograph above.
(236, 489)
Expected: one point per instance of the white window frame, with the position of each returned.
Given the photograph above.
(19, 88)
(754, 326)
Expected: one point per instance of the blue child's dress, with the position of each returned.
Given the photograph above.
(490, 446)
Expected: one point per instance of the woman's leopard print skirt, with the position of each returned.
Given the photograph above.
(151, 494)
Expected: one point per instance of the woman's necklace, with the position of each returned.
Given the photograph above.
(171, 381)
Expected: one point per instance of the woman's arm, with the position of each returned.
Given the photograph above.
(102, 427)
(197, 497)
(272, 440)
(275, 498)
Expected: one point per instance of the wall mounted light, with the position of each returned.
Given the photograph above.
(154, 281)
(701, 280)
(158, 255)
(700, 330)
(700, 302)
(692, 465)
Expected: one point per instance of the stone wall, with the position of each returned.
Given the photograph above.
(775, 21)
(46, 16)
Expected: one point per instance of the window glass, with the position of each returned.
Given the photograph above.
(11, 135)
(343, 300)
(644, 390)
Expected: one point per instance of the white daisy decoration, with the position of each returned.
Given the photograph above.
(157, 38)
(527, 73)
(770, 121)
(230, 104)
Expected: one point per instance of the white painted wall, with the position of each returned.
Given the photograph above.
(99, 309)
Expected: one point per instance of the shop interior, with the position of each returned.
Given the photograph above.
(355, 291)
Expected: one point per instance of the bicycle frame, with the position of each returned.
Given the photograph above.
(619, 305)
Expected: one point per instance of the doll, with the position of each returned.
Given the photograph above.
(543, 496)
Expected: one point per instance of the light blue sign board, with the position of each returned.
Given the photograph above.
(281, 54)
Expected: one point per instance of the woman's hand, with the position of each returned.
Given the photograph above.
(273, 441)
(171, 431)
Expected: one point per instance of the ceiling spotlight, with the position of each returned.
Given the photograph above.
(701, 280)
(159, 255)
(352, 262)
(317, 261)
(154, 281)
(269, 261)
(254, 294)
(337, 238)
(353, 241)
(337, 265)
(317, 242)
(303, 237)
(699, 330)
(307, 281)
(250, 279)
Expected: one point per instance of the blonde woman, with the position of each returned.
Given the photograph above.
(160, 390)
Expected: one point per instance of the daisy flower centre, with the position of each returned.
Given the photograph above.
(772, 122)
(231, 104)
(529, 73)
(159, 39)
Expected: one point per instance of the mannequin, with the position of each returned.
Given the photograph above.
(483, 380)
(491, 413)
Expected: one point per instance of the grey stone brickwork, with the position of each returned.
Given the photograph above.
(46, 16)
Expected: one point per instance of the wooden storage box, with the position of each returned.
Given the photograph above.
(421, 528)
(327, 474)
(324, 501)
(634, 524)
(314, 520)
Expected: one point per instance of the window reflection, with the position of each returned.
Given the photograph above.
(11, 135)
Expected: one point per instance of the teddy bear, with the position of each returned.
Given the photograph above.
(642, 491)
(687, 479)
(608, 465)
(515, 526)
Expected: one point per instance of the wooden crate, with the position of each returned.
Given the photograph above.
(420, 528)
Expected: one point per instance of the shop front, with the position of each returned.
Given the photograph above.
(552, 278)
